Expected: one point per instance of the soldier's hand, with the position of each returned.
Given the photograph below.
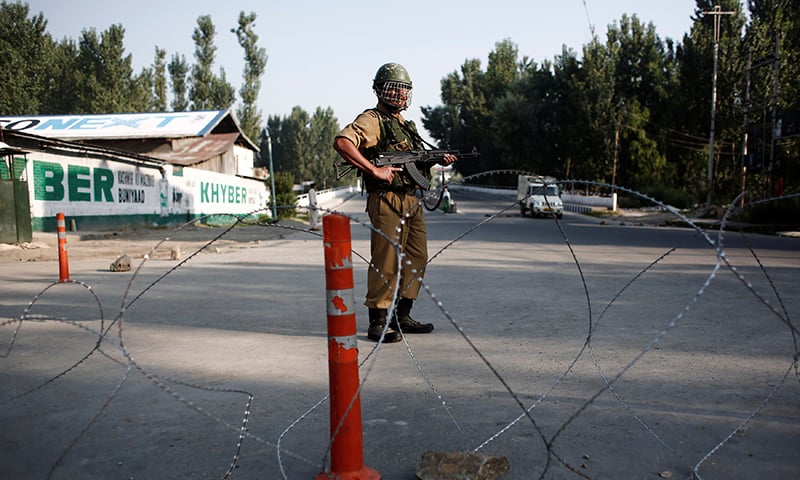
(386, 173)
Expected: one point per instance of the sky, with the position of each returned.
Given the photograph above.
(325, 53)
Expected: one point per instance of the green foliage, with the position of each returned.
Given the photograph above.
(631, 110)
(27, 59)
(208, 91)
(774, 31)
(104, 76)
(285, 198)
(159, 81)
(688, 147)
(94, 74)
(302, 145)
(255, 62)
(178, 71)
(634, 110)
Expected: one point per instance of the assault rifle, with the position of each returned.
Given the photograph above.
(408, 160)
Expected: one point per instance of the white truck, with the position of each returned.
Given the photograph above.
(539, 196)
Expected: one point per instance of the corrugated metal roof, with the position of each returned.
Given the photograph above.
(191, 151)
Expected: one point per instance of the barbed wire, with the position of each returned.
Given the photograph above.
(609, 379)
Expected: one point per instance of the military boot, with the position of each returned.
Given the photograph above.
(377, 323)
(402, 320)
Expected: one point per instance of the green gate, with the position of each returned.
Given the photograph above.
(15, 208)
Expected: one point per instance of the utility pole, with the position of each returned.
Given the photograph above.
(716, 12)
(616, 157)
(271, 177)
(620, 110)
(775, 82)
(746, 126)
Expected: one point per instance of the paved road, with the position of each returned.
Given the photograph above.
(693, 352)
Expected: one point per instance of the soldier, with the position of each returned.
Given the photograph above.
(392, 203)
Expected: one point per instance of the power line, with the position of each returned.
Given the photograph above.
(591, 25)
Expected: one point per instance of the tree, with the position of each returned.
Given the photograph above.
(591, 88)
(589, 119)
(159, 81)
(208, 91)
(26, 60)
(61, 95)
(642, 67)
(302, 145)
(502, 70)
(222, 93)
(104, 75)
(321, 132)
(178, 71)
(464, 118)
(640, 88)
(774, 32)
(255, 61)
(285, 198)
(520, 122)
(290, 147)
(691, 104)
(561, 118)
(142, 86)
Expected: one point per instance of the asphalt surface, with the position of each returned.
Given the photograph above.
(687, 366)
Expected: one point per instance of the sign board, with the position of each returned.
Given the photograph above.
(85, 187)
(124, 125)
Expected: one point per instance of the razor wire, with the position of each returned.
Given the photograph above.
(372, 357)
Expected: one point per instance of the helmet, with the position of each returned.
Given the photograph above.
(391, 72)
(392, 85)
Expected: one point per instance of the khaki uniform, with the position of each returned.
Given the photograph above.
(387, 206)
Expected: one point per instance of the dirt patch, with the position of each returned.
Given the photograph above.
(136, 243)
(658, 217)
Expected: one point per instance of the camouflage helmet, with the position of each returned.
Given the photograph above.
(391, 72)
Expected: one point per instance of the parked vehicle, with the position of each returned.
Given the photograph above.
(539, 196)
